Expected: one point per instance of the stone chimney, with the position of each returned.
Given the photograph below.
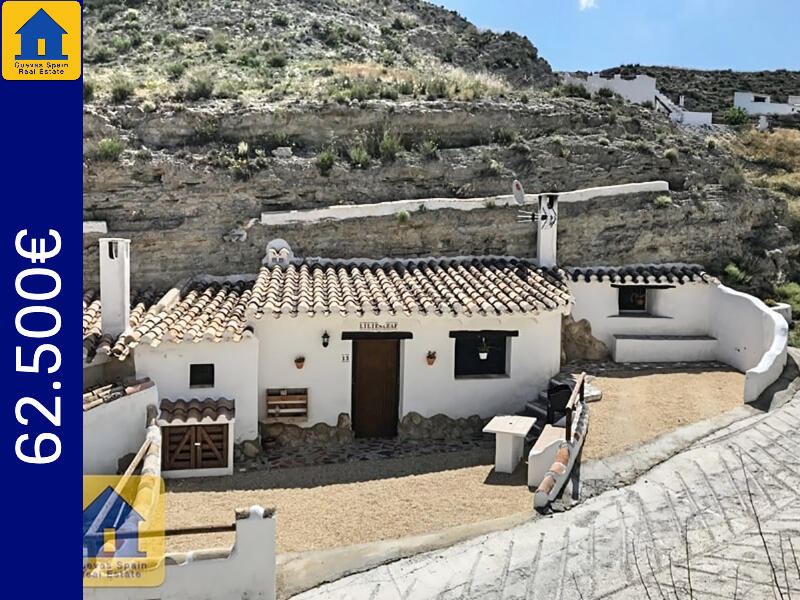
(115, 285)
(547, 230)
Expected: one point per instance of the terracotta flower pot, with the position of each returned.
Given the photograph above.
(299, 363)
(431, 360)
(483, 355)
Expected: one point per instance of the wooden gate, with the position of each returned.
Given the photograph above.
(194, 447)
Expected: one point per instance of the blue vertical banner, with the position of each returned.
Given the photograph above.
(40, 240)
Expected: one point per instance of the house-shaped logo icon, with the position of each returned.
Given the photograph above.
(109, 517)
(41, 38)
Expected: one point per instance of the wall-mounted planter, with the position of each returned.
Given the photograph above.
(483, 355)
(430, 358)
(299, 362)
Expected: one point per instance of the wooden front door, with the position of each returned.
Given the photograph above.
(194, 447)
(376, 393)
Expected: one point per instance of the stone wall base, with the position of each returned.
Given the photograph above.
(414, 426)
(320, 434)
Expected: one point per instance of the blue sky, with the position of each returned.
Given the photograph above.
(743, 35)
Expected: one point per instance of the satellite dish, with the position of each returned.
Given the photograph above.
(519, 193)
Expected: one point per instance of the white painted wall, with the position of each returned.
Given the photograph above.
(752, 338)
(112, 430)
(249, 571)
(682, 310)
(746, 101)
(534, 358)
(641, 89)
(95, 227)
(235, 375)
(691, 118)
(343, 212)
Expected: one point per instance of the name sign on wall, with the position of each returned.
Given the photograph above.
(376, 326)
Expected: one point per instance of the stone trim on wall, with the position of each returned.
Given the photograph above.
(413, 426)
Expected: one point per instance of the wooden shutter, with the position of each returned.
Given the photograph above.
(195, 447)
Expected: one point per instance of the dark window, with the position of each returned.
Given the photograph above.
(201, 375)
(481, 354)
(632, 298)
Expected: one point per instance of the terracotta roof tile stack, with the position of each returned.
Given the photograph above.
(191, 412)
(666, 273)
(94, 340)
(437, 286)
(203, 311)
(113, 391)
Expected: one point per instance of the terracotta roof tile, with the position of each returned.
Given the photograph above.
(103, 394)
(195, 411)
(219, 310)
(437, 286)
(665, 273)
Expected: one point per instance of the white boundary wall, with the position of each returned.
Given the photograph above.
(641, 89)
(114, 429)
(381, 209)
(752, 338)
(247, 572)
(746, 101)
(95, 227)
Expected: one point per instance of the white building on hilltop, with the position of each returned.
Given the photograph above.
(762, 104)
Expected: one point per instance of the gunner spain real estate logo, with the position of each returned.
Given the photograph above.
(41, 41)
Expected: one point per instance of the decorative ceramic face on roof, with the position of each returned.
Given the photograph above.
(279, 252)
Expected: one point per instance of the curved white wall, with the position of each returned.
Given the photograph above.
(751, 337)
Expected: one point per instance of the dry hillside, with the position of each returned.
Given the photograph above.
(200, 116)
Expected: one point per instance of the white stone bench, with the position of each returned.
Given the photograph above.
(663, 348)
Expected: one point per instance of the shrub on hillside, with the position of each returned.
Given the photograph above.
(731, 179)
(429, 149)
(390, 146)
(662, 202)
(175, 70)
(359, 157)
(88, 90)
(671, 154)
(109, 149)
(574, 90)
(199, 86)
(736, 116)
(280, 19)
(121, 90)
(325, 160)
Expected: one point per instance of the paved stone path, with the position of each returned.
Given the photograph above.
(360, 450)
(631, 543)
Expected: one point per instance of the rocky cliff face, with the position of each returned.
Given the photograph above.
(201, 116)
(182, 193)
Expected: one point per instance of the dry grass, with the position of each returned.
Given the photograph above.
(339, 505)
